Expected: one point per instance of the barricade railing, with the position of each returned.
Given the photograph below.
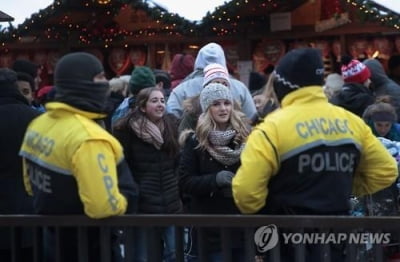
(299, 232)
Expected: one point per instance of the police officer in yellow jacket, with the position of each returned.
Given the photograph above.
(309, 156)
(71, 164)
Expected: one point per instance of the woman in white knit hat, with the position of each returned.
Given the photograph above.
(213, 73)
(209, 161)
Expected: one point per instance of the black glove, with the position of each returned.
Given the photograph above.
(224, 178)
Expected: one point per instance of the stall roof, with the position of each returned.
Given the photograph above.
(5, 17)
(254, 17)
(99, 22)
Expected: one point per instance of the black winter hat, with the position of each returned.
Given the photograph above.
(8, 84)
(7, 77)
(163, 76)
(300, 67)
(256, 81)
(77, 66)
(74, 82)
(25, 66)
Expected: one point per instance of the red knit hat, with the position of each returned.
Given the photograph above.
(355, 72)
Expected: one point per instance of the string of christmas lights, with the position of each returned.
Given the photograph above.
(232, 18)
(371, 11)
(94, 29)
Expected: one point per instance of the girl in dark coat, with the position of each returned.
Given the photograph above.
(209, 161)
(356, 94)
(149, 138)
(382, 118)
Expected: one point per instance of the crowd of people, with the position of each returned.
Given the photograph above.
(193, 140)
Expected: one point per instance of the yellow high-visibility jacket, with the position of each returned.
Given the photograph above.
(308, 157)
(73, 166)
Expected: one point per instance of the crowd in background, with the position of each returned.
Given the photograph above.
(193, 140)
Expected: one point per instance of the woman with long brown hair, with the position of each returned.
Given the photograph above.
(149, 138)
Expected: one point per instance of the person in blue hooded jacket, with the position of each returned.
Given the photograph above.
(192, 85)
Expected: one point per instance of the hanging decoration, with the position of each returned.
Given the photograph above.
(383, 46)
(103, 2)
(358, 48)
(369, 10)
(330, 23)
(137, 57)
(330, 9)
(118, 60)
(266, 53)
(97, 30)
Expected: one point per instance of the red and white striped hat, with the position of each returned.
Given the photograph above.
(215, 71)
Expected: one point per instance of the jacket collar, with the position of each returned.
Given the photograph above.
(304, 95)
(53, 106)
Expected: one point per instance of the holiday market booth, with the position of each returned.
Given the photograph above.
(254, 33)
(5, 18)
(263, 31)
(120, 33)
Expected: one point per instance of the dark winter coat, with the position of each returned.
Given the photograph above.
(197, 173)
(383, 85)
(113, 101)
(15, 115)
(354, 97)
(154, 171)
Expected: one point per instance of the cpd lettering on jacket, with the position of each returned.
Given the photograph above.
(108, 182)
(39, 143)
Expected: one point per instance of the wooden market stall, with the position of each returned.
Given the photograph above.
(265, 30)
(5, 17)
(123, 33)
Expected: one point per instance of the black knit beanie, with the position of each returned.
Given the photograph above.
(8, 85)
(25, 66)
(256, 81)
(298, 68)
(73, 80)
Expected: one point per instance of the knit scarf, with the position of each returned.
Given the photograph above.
(219, 149)
(148, 131)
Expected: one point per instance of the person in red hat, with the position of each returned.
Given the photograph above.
(356, 94)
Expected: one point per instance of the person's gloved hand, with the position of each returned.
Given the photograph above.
(224, 178)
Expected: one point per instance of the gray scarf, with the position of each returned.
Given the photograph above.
(219, 149)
